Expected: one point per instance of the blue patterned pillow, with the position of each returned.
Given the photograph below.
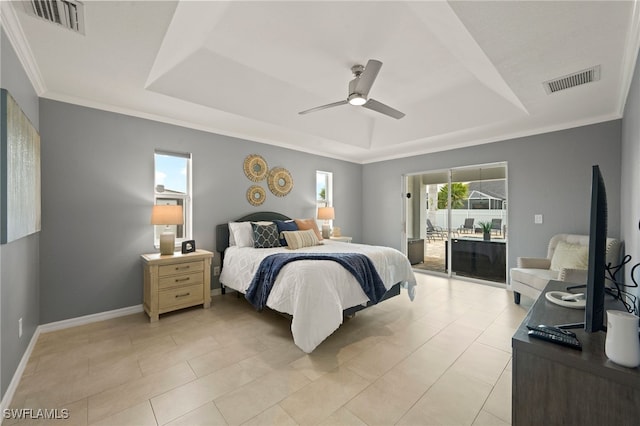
(285, 225)
(265, 236)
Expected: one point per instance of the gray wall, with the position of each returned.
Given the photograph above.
(19, 284)
(630, 188)
(548, 173)
(97, 184)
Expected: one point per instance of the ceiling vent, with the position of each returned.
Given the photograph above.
(572, 80)
(67, 13)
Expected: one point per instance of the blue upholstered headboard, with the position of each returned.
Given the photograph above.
(222, 230)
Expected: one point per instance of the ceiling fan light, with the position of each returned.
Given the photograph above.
(357, 100)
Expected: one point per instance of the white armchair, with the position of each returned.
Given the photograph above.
(567, 260)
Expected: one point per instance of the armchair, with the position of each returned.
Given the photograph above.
(567, 260)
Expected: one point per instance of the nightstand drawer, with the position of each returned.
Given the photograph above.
(180, 280)
(179, 268)
(187, 296)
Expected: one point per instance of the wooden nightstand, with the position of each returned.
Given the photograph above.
(176, 281)
(343, 239)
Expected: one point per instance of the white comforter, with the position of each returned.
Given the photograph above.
(315, 292)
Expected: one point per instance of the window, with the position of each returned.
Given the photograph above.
(324, 193)
(172, 186)
(324, 189)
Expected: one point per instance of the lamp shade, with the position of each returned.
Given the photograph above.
(326, 213)
(167, 215)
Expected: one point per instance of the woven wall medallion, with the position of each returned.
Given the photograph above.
(280, 181)
(256, 195)
(255, 167)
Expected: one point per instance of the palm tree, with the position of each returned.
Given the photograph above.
(458, 195)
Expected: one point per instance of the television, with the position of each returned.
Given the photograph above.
(596, 289)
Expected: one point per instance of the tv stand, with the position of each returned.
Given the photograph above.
(557, 385)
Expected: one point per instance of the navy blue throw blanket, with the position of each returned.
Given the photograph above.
(358, 264)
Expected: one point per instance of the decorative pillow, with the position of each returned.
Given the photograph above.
(285, 225)
(241, 233)
(299, 239)
(265, 236)
(572, 256)
(304, 224)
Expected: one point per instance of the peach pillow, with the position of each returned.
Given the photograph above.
(304, 224)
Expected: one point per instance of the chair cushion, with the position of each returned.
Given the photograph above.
(536, 278)
(572, 256)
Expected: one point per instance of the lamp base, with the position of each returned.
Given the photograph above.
(326, 231)
(167, 243)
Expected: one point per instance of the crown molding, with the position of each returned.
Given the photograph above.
(630, 56)
(18, 40)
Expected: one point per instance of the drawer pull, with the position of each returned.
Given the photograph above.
(182, 295)
(179, 280)
(180, 268)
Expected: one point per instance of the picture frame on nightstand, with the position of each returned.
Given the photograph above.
(188, 246)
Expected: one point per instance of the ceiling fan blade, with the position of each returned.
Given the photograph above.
(374, 105)
(368, 76)
(335, 104)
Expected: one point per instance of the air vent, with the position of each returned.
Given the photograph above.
(572, 80)
(67, 13)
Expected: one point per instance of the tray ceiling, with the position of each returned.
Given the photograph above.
(464, 73)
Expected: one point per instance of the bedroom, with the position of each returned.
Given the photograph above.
(97, 171)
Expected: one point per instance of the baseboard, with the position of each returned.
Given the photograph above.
(53, 326)
(11, 390)
(88, 319)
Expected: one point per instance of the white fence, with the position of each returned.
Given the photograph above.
(459, 215)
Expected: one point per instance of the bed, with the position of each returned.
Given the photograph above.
(316, 293)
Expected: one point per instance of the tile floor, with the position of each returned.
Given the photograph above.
(444, 359)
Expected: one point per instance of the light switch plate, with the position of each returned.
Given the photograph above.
(537, 219)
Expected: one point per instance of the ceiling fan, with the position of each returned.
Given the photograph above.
(359, 90)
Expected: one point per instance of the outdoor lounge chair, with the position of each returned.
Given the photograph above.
(467, 226)
(434, 231)
(496, 226)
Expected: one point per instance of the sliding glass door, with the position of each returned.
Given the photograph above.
(446, 215)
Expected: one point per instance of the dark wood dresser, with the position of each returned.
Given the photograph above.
(557, 385)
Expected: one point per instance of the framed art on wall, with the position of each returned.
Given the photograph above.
(20, 203)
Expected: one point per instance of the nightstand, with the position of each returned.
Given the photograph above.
(343, 239)
(176, 281)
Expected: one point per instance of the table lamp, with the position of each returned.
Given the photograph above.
(167, 215)
(326, 214)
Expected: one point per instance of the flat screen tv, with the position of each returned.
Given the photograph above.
(594, 309)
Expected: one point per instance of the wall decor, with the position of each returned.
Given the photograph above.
(255, 167)
(256, 195)
(280, 181)
(20, 203)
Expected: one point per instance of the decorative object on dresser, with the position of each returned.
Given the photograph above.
(336, 232)
(326, 214)
(280, 181)
(176, 282)
(621, 344)
(167, 215)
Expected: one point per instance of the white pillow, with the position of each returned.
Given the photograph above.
(571, 256)
(241, 233)
(300, 239)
